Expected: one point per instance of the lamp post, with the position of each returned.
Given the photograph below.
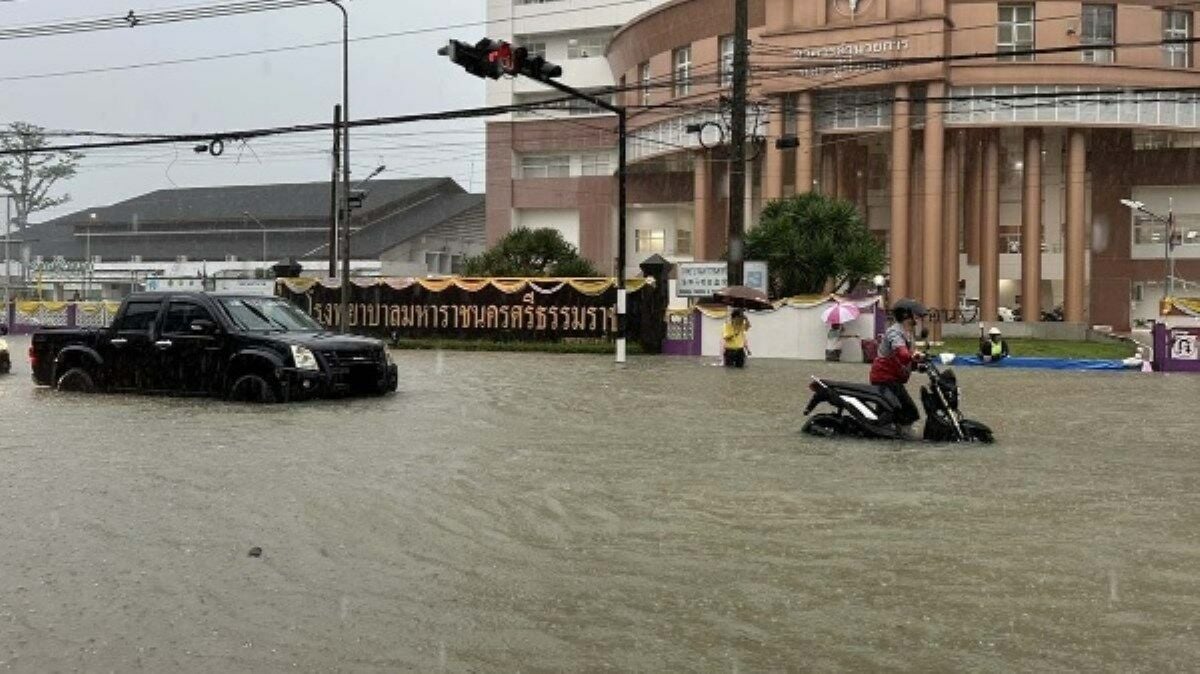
(87, 258)
(7, 233)
(345, 304)
(1168, 245)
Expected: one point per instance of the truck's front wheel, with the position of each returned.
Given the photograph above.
(76, 380)
(253, 388)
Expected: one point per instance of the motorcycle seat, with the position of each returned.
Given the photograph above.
(847, 387)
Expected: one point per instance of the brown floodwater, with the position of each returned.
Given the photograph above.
(558, 513)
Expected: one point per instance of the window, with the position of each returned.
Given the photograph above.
(586, 46)
(594, 164)
(1014, 32)
(1098, 29)
(682, 73)
(180, 315)
(535, 48)
(683, 242)
(1177, 26)
(138, 317)
(644, 82)
(546, 166)
(650, 241)
(726, 65)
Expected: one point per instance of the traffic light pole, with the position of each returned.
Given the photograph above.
(622, 180)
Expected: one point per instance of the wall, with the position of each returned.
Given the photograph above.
(790, 332)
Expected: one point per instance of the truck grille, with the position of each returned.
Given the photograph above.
(345, 359)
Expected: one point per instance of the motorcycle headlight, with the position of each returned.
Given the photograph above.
(3, 344)
(304, 359)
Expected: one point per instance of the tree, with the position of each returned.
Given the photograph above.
(810, 241)
(29, 175)
(530, 252)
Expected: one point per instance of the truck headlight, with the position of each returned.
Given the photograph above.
(304, 359)
(387, 356)
(3, 344)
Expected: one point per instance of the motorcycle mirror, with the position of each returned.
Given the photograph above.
(924, 334)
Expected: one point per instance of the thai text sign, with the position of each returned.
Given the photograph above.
(544, 309)
(702, 279)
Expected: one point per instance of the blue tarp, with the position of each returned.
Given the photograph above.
(1043, 363)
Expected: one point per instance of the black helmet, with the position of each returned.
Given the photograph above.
(908, 308)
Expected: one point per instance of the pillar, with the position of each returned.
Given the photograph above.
(1031, 228)
(841, 162)
(973, 201)
(901, 161)
(1074, 269)
(828, 182)
(933, 222)
(916, 221)
(953, 217)
(702, 203)
(989, 231)
(772, 184)
(804, 139)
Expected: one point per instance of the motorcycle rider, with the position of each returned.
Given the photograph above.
(895, 361)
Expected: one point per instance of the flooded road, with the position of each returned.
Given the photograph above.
(554, 513)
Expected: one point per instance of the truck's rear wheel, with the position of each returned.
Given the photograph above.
(76, 380)
(253, 388)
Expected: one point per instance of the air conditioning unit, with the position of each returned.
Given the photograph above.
(136, 258)
(231, 258)
(181, 258)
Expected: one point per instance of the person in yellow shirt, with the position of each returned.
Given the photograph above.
(734, 339)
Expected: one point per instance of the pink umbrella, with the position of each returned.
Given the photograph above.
(840, 313)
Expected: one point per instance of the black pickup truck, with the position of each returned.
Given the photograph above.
(248, 348)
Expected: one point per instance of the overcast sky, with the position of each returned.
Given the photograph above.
(389, 76)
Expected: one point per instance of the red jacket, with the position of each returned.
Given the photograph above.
(893, 364)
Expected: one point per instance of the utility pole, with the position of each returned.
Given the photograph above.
(335, 206)
(7, 232)
(737, 168)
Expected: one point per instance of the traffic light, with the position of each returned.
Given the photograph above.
(495, 58)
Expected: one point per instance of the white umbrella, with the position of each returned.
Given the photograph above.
(840, 313)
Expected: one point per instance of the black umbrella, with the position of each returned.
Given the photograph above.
(743, 297)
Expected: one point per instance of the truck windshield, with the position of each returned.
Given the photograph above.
(268, 314)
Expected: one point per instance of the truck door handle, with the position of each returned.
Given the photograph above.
(163, 343)
(118, 342)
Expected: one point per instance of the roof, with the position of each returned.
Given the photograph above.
(294, 201)
(289, 220)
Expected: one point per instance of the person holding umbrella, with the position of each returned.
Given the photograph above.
(733, 339)
(836, 318)
(735, 346)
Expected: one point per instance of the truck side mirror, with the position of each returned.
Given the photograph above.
(203, 326)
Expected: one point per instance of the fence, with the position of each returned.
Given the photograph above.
(23, 317)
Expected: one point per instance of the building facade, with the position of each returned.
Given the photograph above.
(989, 144)
(189, 237)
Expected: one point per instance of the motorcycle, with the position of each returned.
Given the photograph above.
(865, 411)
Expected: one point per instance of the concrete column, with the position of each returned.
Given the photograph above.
(973, 210)
(828, 183)
(804, 138)
(953, 217)
(841, 161)
(901, 161)
(1031, 228)
(702, 203)
(934, 225)
(1074, 257)
(772, 184)
(916, 222)
(989, 231)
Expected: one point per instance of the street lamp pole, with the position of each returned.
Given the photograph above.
(7, 233)
(1169, 224)
(262, 228)
(87, 258)
(345, 304)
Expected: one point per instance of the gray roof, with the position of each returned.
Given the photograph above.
(296, 201)
(210, 222)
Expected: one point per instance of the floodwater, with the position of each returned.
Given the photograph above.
(508, 513)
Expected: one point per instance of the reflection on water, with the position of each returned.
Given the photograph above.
(530, 512)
